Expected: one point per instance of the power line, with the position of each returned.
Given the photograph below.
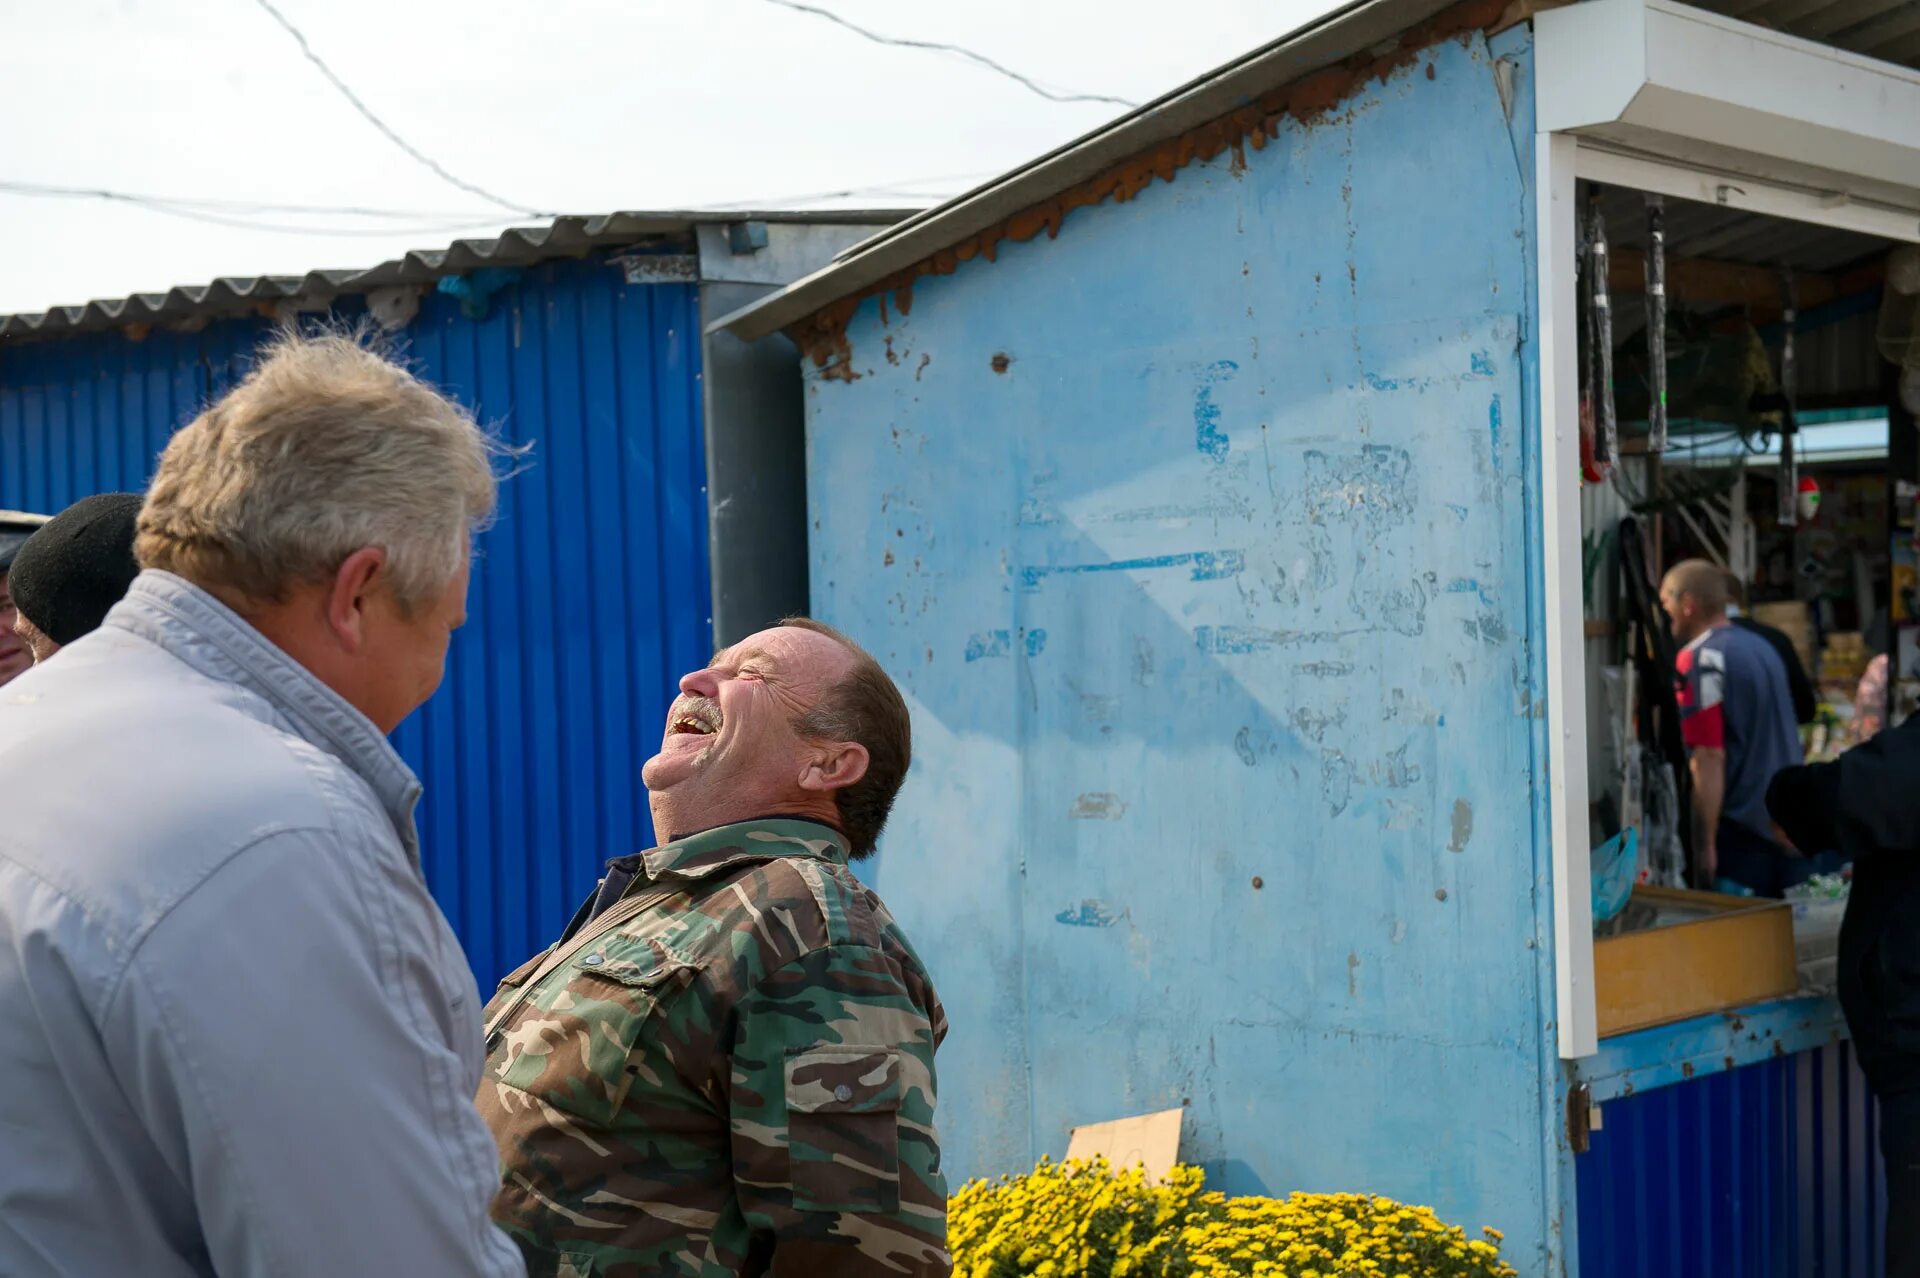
(341, 232)
(935, 46)
(378, 123)
(908, 189)
(54, 191)
(219, 212)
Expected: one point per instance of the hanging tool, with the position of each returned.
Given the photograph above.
(1606, 435)
(1592, 469)
(1789, 503)
(1657, 324)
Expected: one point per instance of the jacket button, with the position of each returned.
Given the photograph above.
(843, 1093)
(593, 960)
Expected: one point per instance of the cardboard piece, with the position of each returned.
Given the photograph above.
(1152, 1140)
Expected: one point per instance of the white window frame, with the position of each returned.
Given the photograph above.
(1660, 97)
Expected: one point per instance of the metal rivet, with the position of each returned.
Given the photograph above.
(843, 1093)
(593, 960)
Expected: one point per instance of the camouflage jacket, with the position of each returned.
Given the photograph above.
(738, 1079)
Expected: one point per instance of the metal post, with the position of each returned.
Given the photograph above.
(1788, 510)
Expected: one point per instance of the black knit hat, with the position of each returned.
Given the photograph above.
(15, 527)
(77, 566)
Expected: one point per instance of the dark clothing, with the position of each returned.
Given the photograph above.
(1866, 805)
(1900, 1147)
(1754, 861)
(1732, 692)
(1799, 687)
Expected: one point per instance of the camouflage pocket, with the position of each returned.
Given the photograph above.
(843, 1136)
(572, 1044)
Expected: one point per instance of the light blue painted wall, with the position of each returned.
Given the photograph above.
(1230, 574)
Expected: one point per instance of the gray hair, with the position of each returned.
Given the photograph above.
(326, 448)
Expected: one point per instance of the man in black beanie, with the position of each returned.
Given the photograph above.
(73, 570)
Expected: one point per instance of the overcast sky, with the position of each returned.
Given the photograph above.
(576, 106)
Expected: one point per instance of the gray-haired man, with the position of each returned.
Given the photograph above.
(239, 1035)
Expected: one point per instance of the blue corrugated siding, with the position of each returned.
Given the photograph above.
(1769, 1171)
(589, 597)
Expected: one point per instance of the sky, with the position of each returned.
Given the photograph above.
(568, 106)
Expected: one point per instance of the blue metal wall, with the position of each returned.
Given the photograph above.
(589, 598)
(1767, 1171)
(1202, 538)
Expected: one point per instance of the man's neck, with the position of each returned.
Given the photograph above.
(671, 827)
(1706, 630)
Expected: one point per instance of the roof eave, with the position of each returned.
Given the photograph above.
(562, 237)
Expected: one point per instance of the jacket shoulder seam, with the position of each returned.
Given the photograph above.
(139, 936)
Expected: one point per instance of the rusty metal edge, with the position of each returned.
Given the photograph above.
(1341, 33)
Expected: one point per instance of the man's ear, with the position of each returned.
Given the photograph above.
(348, 594)
(835, 765)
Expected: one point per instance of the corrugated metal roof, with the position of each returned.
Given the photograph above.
(1884, 29)
(1735, 235)
(521, 246)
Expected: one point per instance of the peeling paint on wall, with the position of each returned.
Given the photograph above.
(1206, 565)
(1462, 826)
(1088, 913)
(1099, 806)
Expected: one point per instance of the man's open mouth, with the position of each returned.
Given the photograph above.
(698, 720)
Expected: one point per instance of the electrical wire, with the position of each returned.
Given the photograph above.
(222, 212)
(386, 131)
(54, 191)
(343, 232)
(936, 46)
(907, 189)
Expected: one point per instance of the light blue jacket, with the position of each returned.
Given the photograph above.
(236, 1035)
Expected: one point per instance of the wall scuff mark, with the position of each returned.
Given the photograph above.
(1089, 913)
(1099, 806)
(1462, 826)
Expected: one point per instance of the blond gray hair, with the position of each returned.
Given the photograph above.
(326, 448)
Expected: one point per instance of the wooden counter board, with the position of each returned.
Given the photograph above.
(1742, 952)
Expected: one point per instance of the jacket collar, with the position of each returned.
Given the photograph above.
(701, 854)
(209, 636)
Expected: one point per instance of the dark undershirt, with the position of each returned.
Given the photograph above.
(623, 870)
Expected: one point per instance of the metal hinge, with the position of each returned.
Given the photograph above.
(1583, 1118)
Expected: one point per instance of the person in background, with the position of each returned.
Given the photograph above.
(725, 1065)
(71, 571)
(15, 527)
(1736, 719)
(1866, 804)
(240, 1036)
(1870, 700)
(1805, 702)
